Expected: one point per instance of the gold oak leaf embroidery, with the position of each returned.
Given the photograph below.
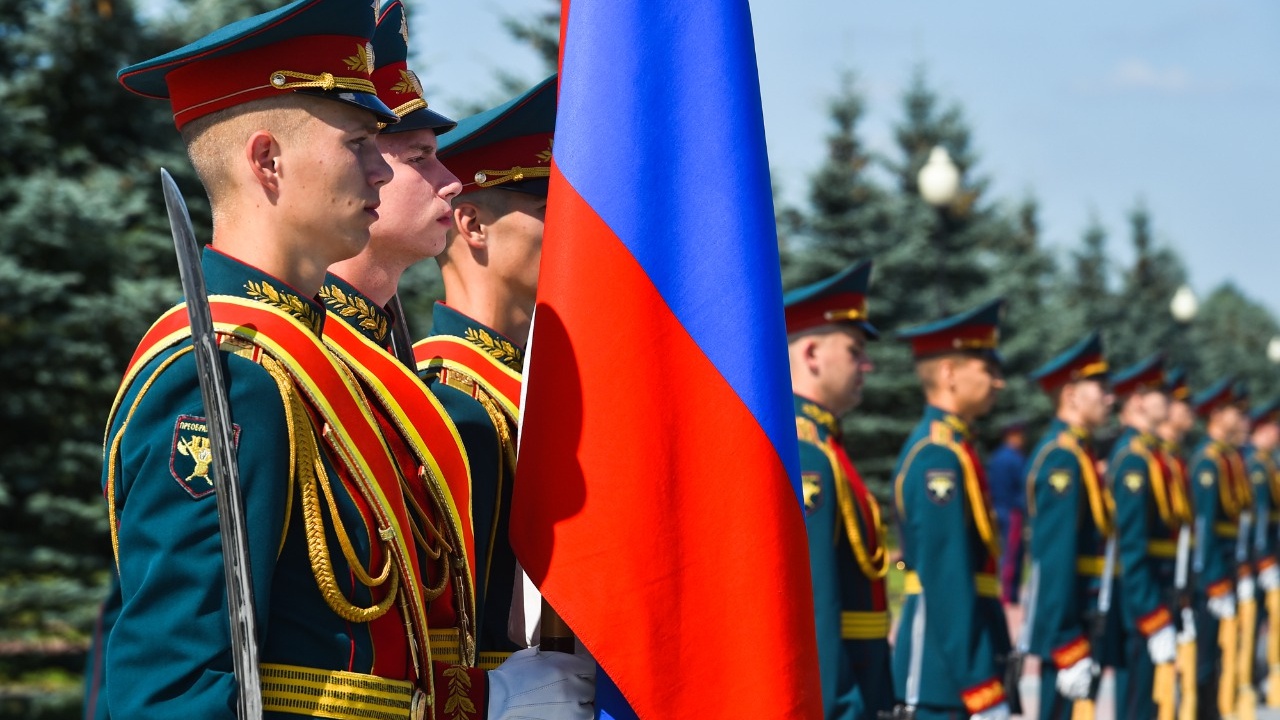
(823, 417)
(362, 61)
(292, 304)
(459, 705)
(348, 306)
(497, 348)
(408, 83)
(545, 155)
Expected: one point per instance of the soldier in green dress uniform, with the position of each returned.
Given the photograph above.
(413, 219)
(280, 118)
(1171, 434)
(474, 354)
(1264, 476)
(953, 639)
(1071, 522)
(1146, 531)
(1221, 490)
(827, 332)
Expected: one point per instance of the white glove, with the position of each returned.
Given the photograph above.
(1222, 607)
(536, 685)
(1188, 633)
(1245, 588)
(1163, 645)
(997, 712)
(1269, 578)
(1073, 682)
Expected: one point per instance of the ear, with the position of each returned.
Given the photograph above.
(262, 153)
(466, 219)
(809, 351)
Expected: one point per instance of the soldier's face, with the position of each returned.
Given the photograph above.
(330, 176)
(515, 243)
(1180, 417)
(415, 213)
(842, 363)
(1092, 401)
(1266, 436)
(1155, 405)
(976, 381)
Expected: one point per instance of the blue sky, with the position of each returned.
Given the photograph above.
(1089, 105)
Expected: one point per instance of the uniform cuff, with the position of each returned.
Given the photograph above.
(983, 696)
(1266, 562)
(1154, 621)
(461, 692)
(1064, 656)
(1219, 588)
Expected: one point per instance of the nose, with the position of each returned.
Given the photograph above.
(450, 186)
(379, 171)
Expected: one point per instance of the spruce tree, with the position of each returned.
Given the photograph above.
(1142, 323)
(1230, 336)
(1025, 275)
(86, 264)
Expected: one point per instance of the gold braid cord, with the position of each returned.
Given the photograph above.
(982, 517)
(311, 472)
(1101, 504)
(874, 566)
(1159, 488)
(113, 455)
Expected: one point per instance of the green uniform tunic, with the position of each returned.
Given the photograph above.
(952, 639)
(848, 562)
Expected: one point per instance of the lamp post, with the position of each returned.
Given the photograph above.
(939, 183)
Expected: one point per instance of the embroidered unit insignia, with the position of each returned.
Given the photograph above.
(812, 485)
(1133, 481)
(1206, 479)
(1259, 477)
(1060, 481)
(941, 485)
(191, 455)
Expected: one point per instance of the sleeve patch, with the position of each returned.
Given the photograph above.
(1060, 481)
(812, 484)
(1133, 481)
(1259, 477)
(940, 485)
(191, 454)
(1206, 479)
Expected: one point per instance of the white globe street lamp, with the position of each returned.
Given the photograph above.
(1273, 350)
(939, 179)
(1184, 305)
(939, 183)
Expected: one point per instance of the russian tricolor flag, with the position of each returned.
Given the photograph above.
(658, 503)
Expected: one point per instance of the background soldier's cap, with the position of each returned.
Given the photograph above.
(398, 86)
(1082, 361)
(841, 298)
(1267, 412)
(1219, 394)
(1175, 383)
(1145, 375)
(975, 331)
(316, 47)
(508, 147)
